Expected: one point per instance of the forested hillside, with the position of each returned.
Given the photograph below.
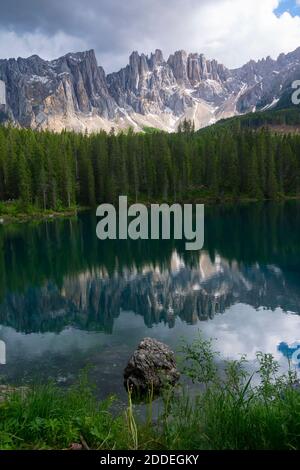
(273, 118)
(52, 171)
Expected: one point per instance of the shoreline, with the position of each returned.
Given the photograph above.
(39, 216)
(258, 415)
(48, 215)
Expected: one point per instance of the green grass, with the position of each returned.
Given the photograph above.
(231, 410)
(235, 412)
(151, 130)
(18, 211)
(49, 418)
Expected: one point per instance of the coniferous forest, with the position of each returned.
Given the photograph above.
(55, 171)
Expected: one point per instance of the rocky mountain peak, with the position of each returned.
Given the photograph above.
(74, 92)
(178, 64)
(156, 58)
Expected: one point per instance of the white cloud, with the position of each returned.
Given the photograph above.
(232, 31)
(249, 29)
(26, 44)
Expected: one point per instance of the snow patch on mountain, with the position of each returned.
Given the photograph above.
(73, 92)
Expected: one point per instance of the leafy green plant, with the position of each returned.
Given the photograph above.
(227, 408)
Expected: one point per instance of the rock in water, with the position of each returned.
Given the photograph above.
(152, 365)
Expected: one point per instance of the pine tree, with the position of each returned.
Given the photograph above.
(23, 181)
(254, 190)
(271, 183)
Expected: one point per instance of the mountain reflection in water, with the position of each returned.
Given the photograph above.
(56, 276)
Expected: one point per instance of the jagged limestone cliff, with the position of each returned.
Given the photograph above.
(73, 92)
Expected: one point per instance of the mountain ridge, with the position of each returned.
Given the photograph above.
(73, 92)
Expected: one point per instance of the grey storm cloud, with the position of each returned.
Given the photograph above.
(112, 27)
(231, 31)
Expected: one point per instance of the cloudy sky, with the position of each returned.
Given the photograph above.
(232, 31)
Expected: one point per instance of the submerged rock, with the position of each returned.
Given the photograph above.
(151, 367)
(6, 391)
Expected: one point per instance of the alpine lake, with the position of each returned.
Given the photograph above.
(69, 301)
